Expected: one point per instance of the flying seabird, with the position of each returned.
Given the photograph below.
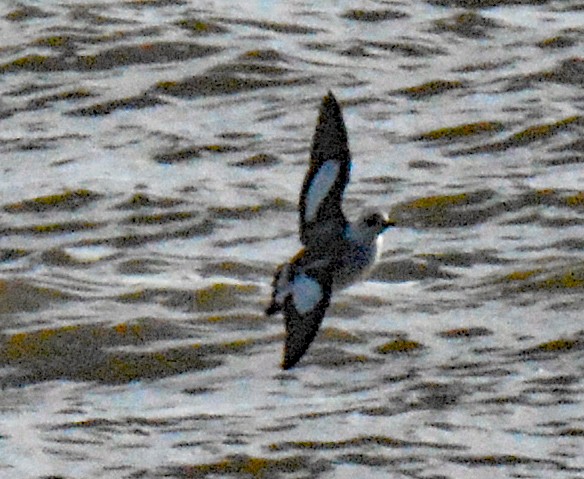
(336, 252)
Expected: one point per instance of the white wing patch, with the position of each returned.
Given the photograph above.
(306, 293)
(320, 187)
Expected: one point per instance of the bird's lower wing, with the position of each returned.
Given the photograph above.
(303, 311)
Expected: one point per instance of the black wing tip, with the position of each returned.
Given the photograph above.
(330, 101)
(291, 360)
(330, 96)
(288, 364)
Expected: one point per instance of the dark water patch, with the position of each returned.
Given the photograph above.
(192, 152)
(142, 200)
(285, 28)
(559, 41)
(508, 461)
(571, 432)
(18, 296)
(86, 14)
(465, 333)
(156, 3)
(202, 390)
(238, 135)
(261, 160)
(525, 137)
(69, 200)
(555, 347)
(252, 211)
(249, 467)
(131, 103)
(108, 426)
(375, 460)
(484, 3)
(372, 16)
(463, 259)
(336, 358)
(160, 218)
(409, 49)
(433, 395)
(133, 240)
(569, 280)
(32, 88)
(239, 241)
(12, 254)
(253, 62)
(146, 53)
(223, 84)
(476, 369)
(504, 401)
(560, 222)
(359, 442)
(48, 100)
(234, 269)
(563, 388)
(357, 50)
(571, 244)
(340, 336)
(562, 199)
(400, 346)
(142, 266)
(408, 270)
(453, 133)
(434, 87)
(424, 165)
(217, 297)
(24, 13)
(7, 113)
(60, 258)
(569, 71)
(201, 27)
(389, 182)
(28, 145)
(61, 228)
(440, 211)
(347, 309)
(564, 160)
(253, 70)
(66, 42)
(238, 321)
(483, 66)
(126, 367)
(86, 353)
(576, 146)
(468, 24)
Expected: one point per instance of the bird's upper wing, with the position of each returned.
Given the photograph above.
(304, 308)
(321, 215)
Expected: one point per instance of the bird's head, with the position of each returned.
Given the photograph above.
(367, 228)
(375, 222)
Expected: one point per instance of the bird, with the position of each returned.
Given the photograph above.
(335, 252)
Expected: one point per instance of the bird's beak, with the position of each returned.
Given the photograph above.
(389, 222)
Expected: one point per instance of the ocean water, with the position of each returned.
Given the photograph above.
(151, 157)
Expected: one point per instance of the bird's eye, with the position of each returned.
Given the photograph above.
(371, 221)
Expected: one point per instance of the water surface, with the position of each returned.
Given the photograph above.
(151, 158)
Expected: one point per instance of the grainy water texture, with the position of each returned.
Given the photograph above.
(151, 156)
